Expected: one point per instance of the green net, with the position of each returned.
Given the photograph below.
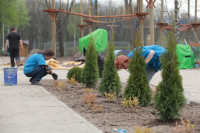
(185, 56)
(100, 38)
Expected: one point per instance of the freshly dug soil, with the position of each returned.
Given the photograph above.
(115, 116)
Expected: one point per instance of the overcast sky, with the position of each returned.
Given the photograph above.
(169, 4)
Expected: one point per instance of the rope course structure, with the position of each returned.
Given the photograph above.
(52, 13)
(149, 3)
(183, 27)
(194, 44)
(93, 19)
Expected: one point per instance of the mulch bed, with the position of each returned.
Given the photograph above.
(114, 115)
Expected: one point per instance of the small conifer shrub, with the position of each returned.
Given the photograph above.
(76, 73)
(137, 85)
(90, 73)
(169, 98)
(110, 81)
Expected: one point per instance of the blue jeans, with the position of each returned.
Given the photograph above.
(37, 74)
(150, 73)
(14, 53)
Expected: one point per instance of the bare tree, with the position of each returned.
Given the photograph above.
(129, 10)
(38, 30)
(177, 22)
(62, 18)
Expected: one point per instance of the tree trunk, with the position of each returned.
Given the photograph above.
(177, 32)
(132, 46)
(161, 20)
(96, 11)
(53, 30)
(60, 22)
(189, 20)
(129, 10)
(195, 20)
(60, 36)
(141, 28)
(152, 39)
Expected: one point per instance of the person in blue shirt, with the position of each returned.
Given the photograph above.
(36, 67)
(151, 54)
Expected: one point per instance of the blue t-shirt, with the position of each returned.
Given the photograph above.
(155, 61)
(34, 61)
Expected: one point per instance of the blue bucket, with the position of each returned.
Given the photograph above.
(10, 76)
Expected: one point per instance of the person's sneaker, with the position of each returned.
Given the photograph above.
(36, 83)
(30, 80)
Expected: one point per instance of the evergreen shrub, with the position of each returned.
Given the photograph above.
(137, 85)
(76, 72)
(169, 98)
(90, 73)
(110, 81)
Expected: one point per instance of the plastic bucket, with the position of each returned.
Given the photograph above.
(10, 76)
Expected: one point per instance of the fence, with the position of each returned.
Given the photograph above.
(71, 48)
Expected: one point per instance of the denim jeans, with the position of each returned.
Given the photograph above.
(14, 53)
(150, 73)
(37, 74)
(100, 62)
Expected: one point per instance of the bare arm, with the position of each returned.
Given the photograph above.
(20, 41)
(6, 45)
(151, 54)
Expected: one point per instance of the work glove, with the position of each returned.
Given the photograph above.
(55, 76)
(48, 69)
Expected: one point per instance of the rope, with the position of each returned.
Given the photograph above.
(196, 38)
(167, 10)
(193, 30)
(113, 23)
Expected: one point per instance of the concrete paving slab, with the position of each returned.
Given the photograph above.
(42, 113)
(27, 108)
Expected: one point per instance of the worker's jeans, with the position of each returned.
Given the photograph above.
(37, 74)
(14, 54)
(150, 73)
(100, 62)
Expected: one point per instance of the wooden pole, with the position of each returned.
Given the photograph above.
(152, 42)
(189, 20)
(53, 30)
(110, 20)
(141, 23)
(195, 11)
(3, 33)
(82, 28)
(161, 20)
(90, 26)
(195, 20)
(96, 11)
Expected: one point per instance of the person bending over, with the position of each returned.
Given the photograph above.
(36, 67)
(152, 59)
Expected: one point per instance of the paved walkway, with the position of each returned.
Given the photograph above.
(31, 109)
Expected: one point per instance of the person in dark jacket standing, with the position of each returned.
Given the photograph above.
(14, 39)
